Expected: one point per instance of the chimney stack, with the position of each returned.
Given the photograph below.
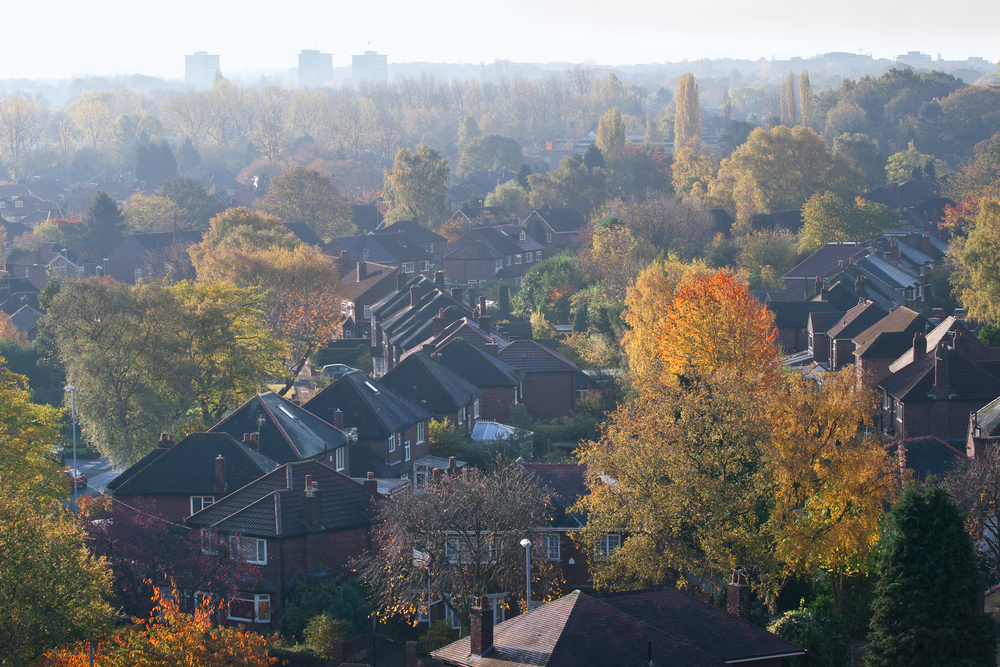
(942, 390)
(370, 485)
(254, 443)
(919, 346)
(439, 280)
(343, 255)
(166, 442)
(484, 323)
(482, 305)
(400, 281)
(738, 596)
(312, 505)
(493, 348)
(414, 294)
(452, 465)
(472, 297)
(338, 418)
(220, 475)
(456, 294)
(925, 244)
(438, 322)
(481, 627)
(362, 270)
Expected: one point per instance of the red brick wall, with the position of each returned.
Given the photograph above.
(793, 339)
(549, 395)
(873, 370)
(174, 508)
(495, 403)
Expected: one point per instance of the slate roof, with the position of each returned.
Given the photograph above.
(271, 506)
(430, 384)
(357, 245)
(885, 345)
(414, 231)
(286, 432)
(304, 233)
(967, 380)
(468, 330)
(824, 260)
(821, 322)
(796, 313)
(367, 217)
(160, 240)
(477, 366)
(987, 418)
(349, 286)
(14, 302)
(856, 320)
(901, 320)
(188, 468)
(531, 357)
(25, 318)
(934, 337)
(561, 220)
(579, 629)
(926, 455)
(492, 243)
(790, 220)
(373, 409)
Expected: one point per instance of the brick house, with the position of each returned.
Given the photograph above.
(391, 430)
(301, 519)
(840, 336)
(879, 345)
(665, 627)
(48, 260)
(937, 383)
(390, 249)
(566, 484)
(361, 284)
(801, 279)
(435, 388)
(550, 379)
(415, 234)
(144, 257)
(283, 431)
(182, 478)
(791, 318)
(555, 227)
(503, 252)
(499, 381)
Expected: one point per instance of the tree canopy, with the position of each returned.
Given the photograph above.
(490, 152)
(305, 195)
(415, 186)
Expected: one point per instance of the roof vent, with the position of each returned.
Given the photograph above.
(372, 387)
(288, 412)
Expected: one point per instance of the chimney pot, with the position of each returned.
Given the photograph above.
(738, 596)
(452, 463)
(439, 280)
(481, 627)
(371, 475)
(246, 437)
(220, 475)
(166, 442)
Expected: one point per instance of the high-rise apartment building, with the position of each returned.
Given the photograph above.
(370, 67)
(315, 68)
(200, 69)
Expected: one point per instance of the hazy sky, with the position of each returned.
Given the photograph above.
(61, 38)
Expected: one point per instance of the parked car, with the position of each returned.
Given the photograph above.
(74, 474)
(960, 314)
(938, 313)
(336, 370)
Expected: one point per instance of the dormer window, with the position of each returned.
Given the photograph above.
(19, 204)
(523, 236)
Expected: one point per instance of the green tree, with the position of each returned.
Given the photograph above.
(789, 112)
(653, 135)
(198, 204)
(305, 195)
(767, 252)
(190, 157)
(693, 170)
(611, 135)
(51, 588)
(827, 218)
(415, 186)
(805, 98)
(153, 213)
(902, 165)
(468, 130)
(862, 152)
(245, 230)
(155, 163)
(447, 439)
(510, 196)
(102, 228)
(548, 286)
(977, 274)
(928, 601)
(687, 123)
(571, 184)
(490, 152)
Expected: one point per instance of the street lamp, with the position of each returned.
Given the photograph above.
(526, 543)
(72, 392)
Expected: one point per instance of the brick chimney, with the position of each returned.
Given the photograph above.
(338, 418)
(942, 390)
(482, 305)
(400, 281)
(439, 280)
(493, 348)
(472, 297)
(919, 346)
(452, 465)
(819, 285)
(925, 244)
(362, 270)
(166, 442)
(456, 294)
(312, 505)
(254, 443)
(481, 627)
(438, 322)
(738, 596)
(220, 475)
(370, 485)
(414, 294)
(484, 323)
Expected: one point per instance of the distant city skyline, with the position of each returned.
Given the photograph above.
(116, 37)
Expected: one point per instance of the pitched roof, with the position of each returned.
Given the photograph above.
(25, 318)
(532, 357)
(575, 630)
(477, 366)
(304, 233)
(414, 231)
(822, 321)
(567, 484)
(430, 384)
(285, 431)
(366, 217)
(885, 345)
(351, 288)
(159, 240)
(796, 313)
(824, 260)
(967, 380)
(188, 468)
(987, 418)
(926, 455)
(856, 320)
(272, 505)
(561, 220)
(902, 320)
(367, 405)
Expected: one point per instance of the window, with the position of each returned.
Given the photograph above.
(421, 432)
(499, 264)
(517, 259)
(886, 401)
(899, 411)
(250, 549)
(368, 312)
(473, 283)
(549, 546)
(430, 248)
(138, 275)
(456, 622)
(209, 544)
(425, 266)
(251, 607)
(538, 255)
(339, 455)
(523, 235)
(347, 333)
(198, 503)
(3, 204)
(527, 258)
(610, 544)
(392, 442)
(475, 409)
(461, 416)
(19, 204)
(548, 238)
(459, 550)
(406, 450)
(407, 267)
(508, 260)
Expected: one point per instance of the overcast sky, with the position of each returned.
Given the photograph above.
(63, 38)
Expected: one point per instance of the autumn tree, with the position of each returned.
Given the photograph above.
(693, 170)
(977, 272)
(789, 111)
(170, 637)
(547, 286)
(928, 602)
(22, 124)
(240, 229)
(490, 152)
(826, 218)
(305, 195)
(188, 195)
(863, 153)
(153, 213)
(611, 135)
(460, 538)
(903, 165)
(510, 196)
(615, 258)
(975, 483)
(415, 186)
(570, 184)
(766, 255)
(687, 123)
(805, 98)
(29, 433)
(51, 586)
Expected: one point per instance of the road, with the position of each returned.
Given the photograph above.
(98, 471)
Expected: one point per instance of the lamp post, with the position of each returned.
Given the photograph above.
(526, 543)
(72, 392)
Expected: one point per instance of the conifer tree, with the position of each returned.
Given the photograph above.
(611, 134)
(788, 110)
(653, 135)
(805, 99)
(687, 122)
(927, 608)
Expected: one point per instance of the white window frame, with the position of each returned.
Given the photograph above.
(456, 621)
(392, 442)
(208, 545)
(461, 415)
(406, 450)
(551, 546)
(19, 204)
(499, 264)
(203, 502)
(473, 283)
(522, 235)
(248, 549)
(538, 255)
(3, 204)
(527, 257)
(508, 260)
(338, 455)
(259, 601)
(517, 258)
(425, 266)
(548, 238)
(407, 267)
(137, 275)
(421, 432)
(475, 409)
(368, 312)
(606, 548)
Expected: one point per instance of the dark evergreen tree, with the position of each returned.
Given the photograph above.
(593, 157)
(190, 157)
(155, 163)
(503, 301)
(928, 602)
(48, 292)
(200, 206)
(522, 175)
(103, 227)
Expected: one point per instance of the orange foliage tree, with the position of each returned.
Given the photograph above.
(171, 638)
(10, 332)
(306, 319)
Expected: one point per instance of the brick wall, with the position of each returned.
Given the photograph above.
(793, 339)
(174, 508)
(872, 371)
(495, 404)
(549, 395)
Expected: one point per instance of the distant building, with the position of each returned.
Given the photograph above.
(915, 59)
(370, 67)
(315, 68)
(200, 69)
